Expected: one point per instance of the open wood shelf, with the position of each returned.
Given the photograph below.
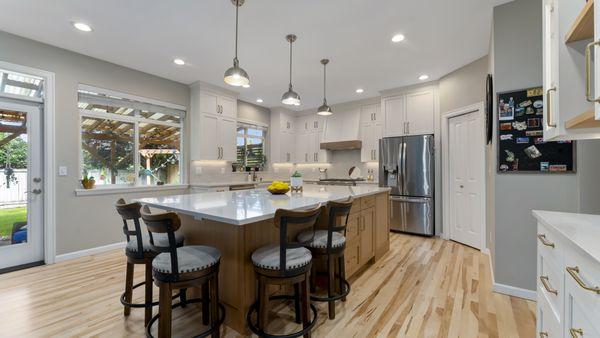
(584, 120)
(583, 27)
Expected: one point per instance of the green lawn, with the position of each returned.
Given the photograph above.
(10, 216)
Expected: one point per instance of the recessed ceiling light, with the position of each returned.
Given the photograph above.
(179, 62)
(246, 86)
(423, 77)
(398, 38)
(360, 90)
(259, 100)
(82, 26)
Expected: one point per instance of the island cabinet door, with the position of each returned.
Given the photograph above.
(352, 242)
(367, 220)
(381, 229)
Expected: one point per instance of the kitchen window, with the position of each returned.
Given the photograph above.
(126, 141)
(251, 140)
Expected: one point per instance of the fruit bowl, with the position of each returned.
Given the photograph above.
(278, 191)
(278, 188)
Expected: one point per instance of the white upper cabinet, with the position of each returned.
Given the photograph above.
(410, 113)
(371, 131)
(568, 114)
(282, 137)
(342, 126)
(370, 113)
(213, 125)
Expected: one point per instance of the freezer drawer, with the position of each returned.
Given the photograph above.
(412, 215)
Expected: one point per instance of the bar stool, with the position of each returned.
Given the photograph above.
(179, 268)
(284, 264)
(138, 251)
(329, 245)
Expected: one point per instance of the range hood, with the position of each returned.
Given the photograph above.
(342, 145)
(342, 131)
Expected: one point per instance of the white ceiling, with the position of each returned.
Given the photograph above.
(441, 35)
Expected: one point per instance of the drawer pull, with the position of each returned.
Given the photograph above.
(546, 282)
(576, 333)
(545, 241)
(574, 272)
(543, 334)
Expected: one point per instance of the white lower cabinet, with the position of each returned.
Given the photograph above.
(568, 287)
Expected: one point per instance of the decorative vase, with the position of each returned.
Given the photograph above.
(296, 182)
(88, 184)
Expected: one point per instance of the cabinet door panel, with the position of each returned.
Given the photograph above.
(208, 102)
(287, 147)
(366, 234)
(208, 147)
(366, 152)
(419, 113)
(395, 115)
(228, 106)
(377, 134)
(322, 154)
(227, 138)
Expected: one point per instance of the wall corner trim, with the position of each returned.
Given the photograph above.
(514, 291)
(88, 252)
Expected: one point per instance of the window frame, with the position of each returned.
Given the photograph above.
(135, 120)
(245, 135)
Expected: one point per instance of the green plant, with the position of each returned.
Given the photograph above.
(296, 174)
(87, 179)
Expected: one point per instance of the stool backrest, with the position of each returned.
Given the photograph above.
(337, 211)
(131, 211)
(283, 219)
(163, 223)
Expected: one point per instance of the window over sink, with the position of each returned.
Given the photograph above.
(127, 141)
(251, 143)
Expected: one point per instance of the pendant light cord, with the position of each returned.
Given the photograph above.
(291, 64)
(237, 7)
(325, 83)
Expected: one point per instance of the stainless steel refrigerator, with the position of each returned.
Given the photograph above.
(406, 165)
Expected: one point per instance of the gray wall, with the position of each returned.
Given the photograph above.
(252, 112)
(517, 48)
(84, 222)
(464, 86)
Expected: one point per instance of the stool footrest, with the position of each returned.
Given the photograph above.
(139, 305)
(334, 297)
(205, 333)
(253, 308)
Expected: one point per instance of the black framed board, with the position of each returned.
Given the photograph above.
(521, 146)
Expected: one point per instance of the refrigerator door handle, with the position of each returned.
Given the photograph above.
(410, 199)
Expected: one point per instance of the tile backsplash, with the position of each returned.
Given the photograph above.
(341, 161)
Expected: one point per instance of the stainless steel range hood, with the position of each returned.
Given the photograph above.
(342, 145)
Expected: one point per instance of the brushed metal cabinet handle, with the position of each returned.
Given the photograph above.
(546, 283)
(545, 241)
(576, 333)
(574, 272)
(588, 72)
(548, 109)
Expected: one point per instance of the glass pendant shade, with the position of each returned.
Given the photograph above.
(236, 76)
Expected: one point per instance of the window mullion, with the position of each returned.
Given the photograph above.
(136, 154)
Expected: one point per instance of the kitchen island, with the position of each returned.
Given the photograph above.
(239, 222)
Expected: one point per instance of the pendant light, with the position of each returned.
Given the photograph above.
(236, 76)
(324, 109)
(291, 98)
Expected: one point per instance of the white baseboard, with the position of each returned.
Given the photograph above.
(88, 252)
(507, 289)
(514, 291)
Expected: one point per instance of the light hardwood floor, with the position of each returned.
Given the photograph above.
(424, 287)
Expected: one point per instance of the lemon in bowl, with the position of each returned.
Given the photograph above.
(278, 188)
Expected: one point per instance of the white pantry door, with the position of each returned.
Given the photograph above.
(466, 161)
(21, 183)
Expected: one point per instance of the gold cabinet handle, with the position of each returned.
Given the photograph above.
(574, 272)
(576, 333)
(546, 283)
(588, 71)
(548, 108)
(544, 240)
(543, 334)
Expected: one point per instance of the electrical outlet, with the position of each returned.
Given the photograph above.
(62, 171)
(222, 170)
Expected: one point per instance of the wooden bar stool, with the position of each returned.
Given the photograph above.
(181, 268)
(139, 251)
(285, 264)
(329, 245)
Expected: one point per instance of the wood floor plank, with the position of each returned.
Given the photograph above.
(423, 287)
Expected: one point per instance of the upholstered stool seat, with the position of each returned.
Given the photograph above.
(267, 257)
(318, 239)
(190, 259)
(159, 240)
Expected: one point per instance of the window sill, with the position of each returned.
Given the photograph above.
(127, 189)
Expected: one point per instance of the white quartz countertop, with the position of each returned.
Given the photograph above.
(583, 230)
(249, 206)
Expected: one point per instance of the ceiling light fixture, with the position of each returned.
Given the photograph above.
(291, 98)
(259, 100)
(179, 62)
(423, 77)
(398, 38)
(324, 109)
(236, 76)
(360, 90)
(82, 26)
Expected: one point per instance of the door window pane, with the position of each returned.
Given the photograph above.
(108, 150)
(14, 151)
(159, 154)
